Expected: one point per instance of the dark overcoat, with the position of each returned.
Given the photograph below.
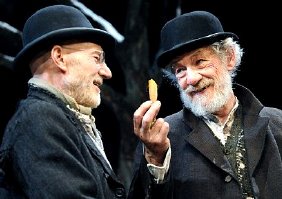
(199, 168)
(47, 154)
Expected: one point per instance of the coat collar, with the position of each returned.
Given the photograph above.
(70, 101)
(255, 128)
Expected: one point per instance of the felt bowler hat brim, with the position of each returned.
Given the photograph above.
(57, 24)
(97, 36)
(189, 32)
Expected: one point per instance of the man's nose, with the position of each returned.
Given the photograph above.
(105, 71)
(192, 76)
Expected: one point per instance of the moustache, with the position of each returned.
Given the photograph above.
(199, 86)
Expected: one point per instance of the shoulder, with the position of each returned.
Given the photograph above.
(271, 113)
(174, 117)
(37, 116)
(30, 110)
(180, 121)
(274, 115)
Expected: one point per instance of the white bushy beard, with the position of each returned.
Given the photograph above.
(202, 105)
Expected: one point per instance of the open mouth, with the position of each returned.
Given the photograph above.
(198, 90)
(98, 84)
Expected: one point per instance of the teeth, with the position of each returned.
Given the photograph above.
(199, 90)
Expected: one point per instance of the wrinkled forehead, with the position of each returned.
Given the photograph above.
(203, 51)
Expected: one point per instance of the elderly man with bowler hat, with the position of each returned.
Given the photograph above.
(224, 143)
(51, 147)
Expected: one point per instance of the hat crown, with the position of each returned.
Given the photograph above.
(188, 32)
(57, 24)
(53, 18)
(188, 27)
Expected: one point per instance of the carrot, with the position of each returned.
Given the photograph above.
(153, 90)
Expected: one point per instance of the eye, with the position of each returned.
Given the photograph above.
(177, 69)
(200, 61)
(180, 70)
(99, 57)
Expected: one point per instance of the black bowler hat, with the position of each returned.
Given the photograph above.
(188, 32)
(57, 24)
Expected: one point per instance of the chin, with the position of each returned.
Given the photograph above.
(95, 105)
(96, 102)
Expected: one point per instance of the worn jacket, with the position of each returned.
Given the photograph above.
(46, 153)
(199, 168)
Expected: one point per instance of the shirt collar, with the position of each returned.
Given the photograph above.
(213, 118)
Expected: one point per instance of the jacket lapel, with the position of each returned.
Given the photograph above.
(95, 151)
(255, 132)
(205, 142)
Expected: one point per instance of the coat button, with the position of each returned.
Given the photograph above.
(226, 151)
(120, 193)
(228, 178)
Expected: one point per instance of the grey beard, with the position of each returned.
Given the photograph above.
(203, 106)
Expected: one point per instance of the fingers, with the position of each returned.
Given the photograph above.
(145, 115)
(149, 119)
(156, 138)
(151, 131)
(161, 126)
(139, 113)
(156, 142)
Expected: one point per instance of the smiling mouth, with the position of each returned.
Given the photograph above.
(98, 84)
(198, 90)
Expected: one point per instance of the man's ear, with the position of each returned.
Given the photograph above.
(57, 55)
(230, 59)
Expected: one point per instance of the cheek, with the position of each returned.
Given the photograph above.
(182, 82)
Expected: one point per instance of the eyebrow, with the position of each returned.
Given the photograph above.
(97, 51)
